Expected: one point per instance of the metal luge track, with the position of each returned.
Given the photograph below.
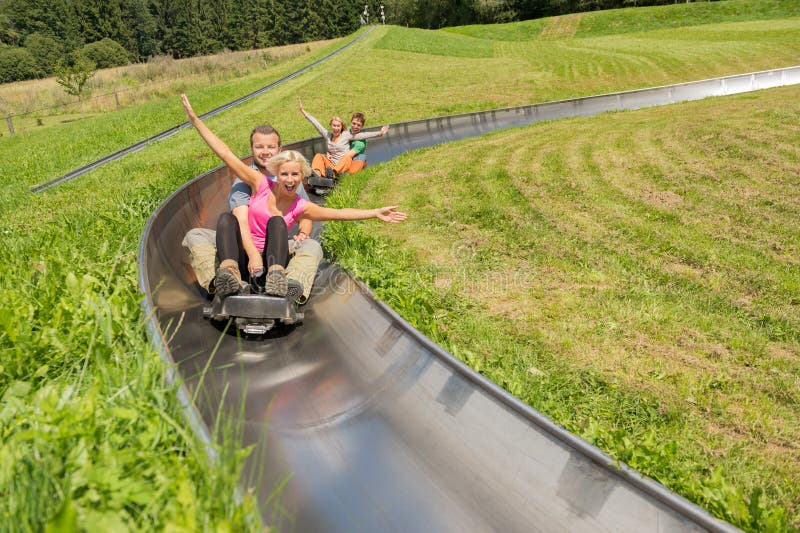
(375, 427)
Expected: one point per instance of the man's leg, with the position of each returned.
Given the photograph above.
(362, 158)
(231, 255)
(199, 242)
(303, 266)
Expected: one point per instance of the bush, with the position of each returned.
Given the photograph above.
(106, 53)
(46, 51)
(18, 64)
(73, 77)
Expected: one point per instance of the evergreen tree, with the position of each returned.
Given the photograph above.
(279, 21)
(8, 33)
(105, 19)
(46, 17)
(342, 16)
(144, 29)
(313, 22)
(229, 28)
(174, 21)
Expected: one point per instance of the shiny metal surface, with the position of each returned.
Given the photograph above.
(370, 425)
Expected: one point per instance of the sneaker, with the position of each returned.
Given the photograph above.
(294, 290)
(227, 282)
(276, 283)
(330, 173)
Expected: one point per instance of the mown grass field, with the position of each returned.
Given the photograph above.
(652, 308)
(633, 275)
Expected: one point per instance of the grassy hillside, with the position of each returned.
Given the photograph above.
(643, 19)
(632, 275)
(656, 299)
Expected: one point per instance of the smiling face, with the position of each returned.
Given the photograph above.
(264, 146)
(336, 126)
(355, 126)
(289, 176)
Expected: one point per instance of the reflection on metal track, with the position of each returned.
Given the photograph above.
(375, 427)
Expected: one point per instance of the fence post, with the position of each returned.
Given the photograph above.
(10, 124)
(116, 98)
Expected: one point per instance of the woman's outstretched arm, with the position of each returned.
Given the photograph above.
(247, 174)
(387, 214)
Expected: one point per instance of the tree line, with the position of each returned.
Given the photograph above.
(37, 37)
(40, 38)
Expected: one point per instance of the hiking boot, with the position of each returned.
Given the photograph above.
(228, 281)
(294, 290)
(276, 283)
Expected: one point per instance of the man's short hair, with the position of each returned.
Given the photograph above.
(264, 129)
(360, 116)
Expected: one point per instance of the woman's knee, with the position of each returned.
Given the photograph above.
(276, 223)
(227, 222)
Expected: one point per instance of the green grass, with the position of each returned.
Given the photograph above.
(436, 43)
(92, 438)
(642, 19)
(78, 372)
(513, 31)
(633, 276)
(618, 21)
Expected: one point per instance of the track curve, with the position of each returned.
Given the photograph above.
(372, 426)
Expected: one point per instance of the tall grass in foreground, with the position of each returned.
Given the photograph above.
(634, 276)
(91, 436)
